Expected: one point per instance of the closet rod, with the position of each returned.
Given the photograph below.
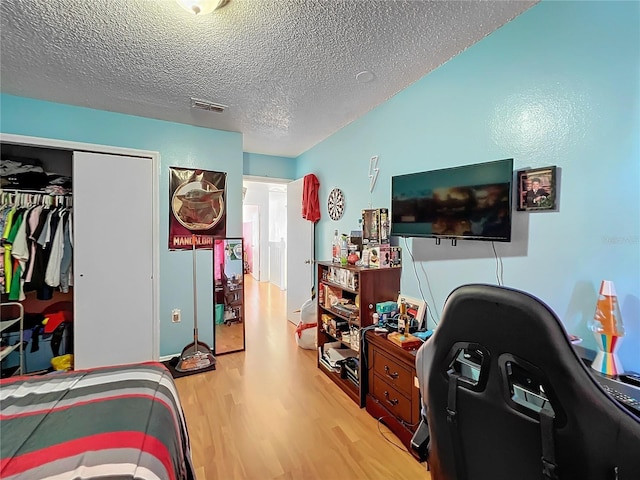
(41, 192)
(26, 196)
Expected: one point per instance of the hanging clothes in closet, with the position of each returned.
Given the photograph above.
(37, 244)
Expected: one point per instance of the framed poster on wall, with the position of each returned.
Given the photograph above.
(537, 189)
(197, 205)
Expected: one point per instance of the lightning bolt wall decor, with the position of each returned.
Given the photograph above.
(373, 172)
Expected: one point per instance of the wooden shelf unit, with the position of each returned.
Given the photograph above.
(363, 287)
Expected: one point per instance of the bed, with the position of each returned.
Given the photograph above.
(117, 422)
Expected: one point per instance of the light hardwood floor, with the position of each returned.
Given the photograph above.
(269, 413)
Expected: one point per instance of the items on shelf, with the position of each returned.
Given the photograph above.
(405, 340)
(403, 318)
(386, 310)
(339, 249)
(369, 247)
(346, 299)
(375, 226)
(354, 337)
(348, 333)
(344, 250)
(396, 257)
(346, 309)
(335, 248)
(381, 256)
(354, 255)
(342, 277)
(350, 369)
(342, 361)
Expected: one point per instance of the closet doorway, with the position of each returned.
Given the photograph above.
(36, 215)
(115, 250)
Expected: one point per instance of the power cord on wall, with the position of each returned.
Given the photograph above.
(415, 271)
(499, 266)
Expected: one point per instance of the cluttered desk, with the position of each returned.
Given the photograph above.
(500, 367)
(400, 327)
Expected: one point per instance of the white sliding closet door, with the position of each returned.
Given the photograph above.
(113, 259)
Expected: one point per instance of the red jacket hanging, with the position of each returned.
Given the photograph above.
(310, 203)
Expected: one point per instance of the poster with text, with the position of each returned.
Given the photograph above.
(197, 206)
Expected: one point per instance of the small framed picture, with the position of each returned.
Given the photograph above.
(415, 308)
(537, 189)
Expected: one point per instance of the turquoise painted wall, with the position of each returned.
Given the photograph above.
(179, 146)
(269, 166)
(559, 85)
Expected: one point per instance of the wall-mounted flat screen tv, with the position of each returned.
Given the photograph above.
(469, 202)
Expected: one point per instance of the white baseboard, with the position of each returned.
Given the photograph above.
(164, 358)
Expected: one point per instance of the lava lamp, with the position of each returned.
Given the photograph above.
(608, 330)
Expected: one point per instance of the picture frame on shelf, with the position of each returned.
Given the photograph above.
(416, 309)
(537, 189)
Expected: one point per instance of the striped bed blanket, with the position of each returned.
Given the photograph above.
(117, 422)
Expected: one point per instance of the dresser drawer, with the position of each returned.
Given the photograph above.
(393, 372)
(392, 399)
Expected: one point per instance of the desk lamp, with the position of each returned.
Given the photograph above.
(608, 330)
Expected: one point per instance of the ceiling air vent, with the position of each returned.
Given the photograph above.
(206, 105)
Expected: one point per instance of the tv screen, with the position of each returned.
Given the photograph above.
(468, 202)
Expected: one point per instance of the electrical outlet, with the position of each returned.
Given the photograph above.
(175, 315)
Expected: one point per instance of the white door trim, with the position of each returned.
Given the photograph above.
(257, 179)
(155, 159)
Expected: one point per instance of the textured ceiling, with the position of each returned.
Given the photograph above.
(285, 68)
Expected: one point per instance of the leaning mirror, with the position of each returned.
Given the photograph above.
(228, 296)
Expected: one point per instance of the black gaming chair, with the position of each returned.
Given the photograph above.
(507, 398)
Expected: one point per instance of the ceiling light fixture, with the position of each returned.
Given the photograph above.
(201, 7)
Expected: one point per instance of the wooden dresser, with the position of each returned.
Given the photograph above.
(391, 389)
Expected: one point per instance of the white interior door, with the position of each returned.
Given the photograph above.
(251, 214)
(300, 241)
(277, 252)
(113, 259)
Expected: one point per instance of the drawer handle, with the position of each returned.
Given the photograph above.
(392, 402)
(393, 375)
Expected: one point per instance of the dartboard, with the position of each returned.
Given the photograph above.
(335, 204)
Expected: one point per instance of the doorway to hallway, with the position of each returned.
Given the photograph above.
(281, 241)
(265, 229)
